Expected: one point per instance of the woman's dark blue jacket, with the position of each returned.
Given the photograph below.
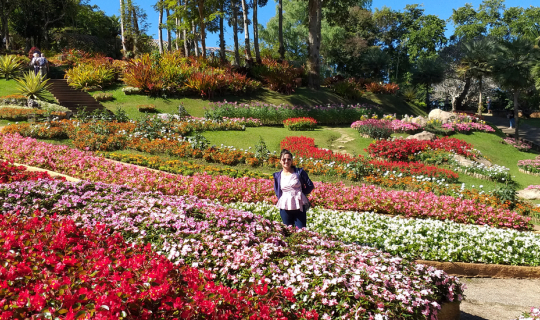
(307, 184)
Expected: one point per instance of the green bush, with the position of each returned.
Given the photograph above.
(376, 129)
(103, 96)
(270, 114)
(92, 73)
(277, 76)
(10, 66)
(32, 86)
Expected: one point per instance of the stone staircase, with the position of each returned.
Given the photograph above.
(73, 99)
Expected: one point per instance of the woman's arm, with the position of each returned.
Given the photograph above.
(307, 184)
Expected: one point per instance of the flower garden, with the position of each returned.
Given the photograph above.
(167, 223)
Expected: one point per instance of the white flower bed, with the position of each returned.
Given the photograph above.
(419, 239)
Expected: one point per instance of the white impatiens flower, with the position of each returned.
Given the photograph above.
(419, 238)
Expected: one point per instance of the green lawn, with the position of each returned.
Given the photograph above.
(302, 96)
(533, 122)
(502, 154)
(9, 87)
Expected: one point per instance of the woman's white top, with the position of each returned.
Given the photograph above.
(292, 197)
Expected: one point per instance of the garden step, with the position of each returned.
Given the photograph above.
(71, 98)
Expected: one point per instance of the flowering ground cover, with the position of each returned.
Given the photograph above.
(530, 165)
(54, 268)
(186, 168)
(494, 172)
(11, 173)
(239, 247)
(395, 124)
(299, 124)
(533, 315)
(85, 165)
(462, 123)
(518, 144)
(465, 127)
(270, 114)
(405, 150)
(356, 167)
(417, 238)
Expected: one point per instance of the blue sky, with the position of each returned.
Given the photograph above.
(443, 9)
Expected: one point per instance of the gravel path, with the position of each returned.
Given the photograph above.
(498, 299)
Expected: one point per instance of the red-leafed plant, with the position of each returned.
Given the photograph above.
(52, 267)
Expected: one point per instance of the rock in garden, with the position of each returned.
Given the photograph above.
(462, 161)
(529, 194)
(424, 135)
(444, 116)
(421, 121)
(484, 161)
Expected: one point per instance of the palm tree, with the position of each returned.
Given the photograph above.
(476, 62)
(513, 68)
(428, 71)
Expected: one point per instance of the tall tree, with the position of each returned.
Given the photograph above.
(513, 69)
(247, 46)
(476, 62)
(314, 43)
(428, 71)
(201, 4)
(234, 21)
(256, 4)
(159, 7)
(6, 8)
(169, 36)
(280, 30)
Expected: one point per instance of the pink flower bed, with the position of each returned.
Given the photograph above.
(85, 165)
(396, 125)
(467, 127)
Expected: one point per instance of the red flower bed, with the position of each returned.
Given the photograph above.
(10, 173)
(304, 147)
(301, 123)
(415, 168)
(53, 268)
(404, 150)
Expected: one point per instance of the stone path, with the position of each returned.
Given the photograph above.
(338, 145)
(526, 132)
(498, 299)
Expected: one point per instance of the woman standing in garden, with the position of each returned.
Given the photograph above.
(291, 186)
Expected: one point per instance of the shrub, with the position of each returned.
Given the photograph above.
(275, 114)
(130, 90)
(147, 108)
(10, 66)
(278, 76)
(14, 99)
(347, 88)
(142, 73)
(518, 144)
(91, 73)
(373, 128)
(32, 86)
(300, 124)
(103, 96)
(375, 87)
(15, 113)
(52, 107)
